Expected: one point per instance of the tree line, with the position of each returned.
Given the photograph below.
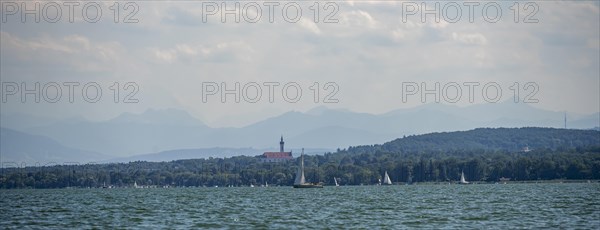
(350, 169)
(441, 158)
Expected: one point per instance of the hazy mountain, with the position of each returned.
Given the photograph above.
(502, 114)
(189, 154)
(128, 134)
(335, 136)
(161, 130)
(159, 117)
(179, 154)
(585, 122)
(18, 148)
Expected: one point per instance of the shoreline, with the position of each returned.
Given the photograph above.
(395, 184)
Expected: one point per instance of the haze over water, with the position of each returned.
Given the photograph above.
(418, 206)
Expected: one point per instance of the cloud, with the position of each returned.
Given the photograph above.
(309, 25)
(593, 43)
(219, 52)
(369, 53)
(358, 18)
(39, 44)
(75, 50)
(469, 38)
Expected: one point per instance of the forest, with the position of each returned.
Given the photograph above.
(484, 155)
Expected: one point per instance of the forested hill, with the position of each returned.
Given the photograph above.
(504, 139)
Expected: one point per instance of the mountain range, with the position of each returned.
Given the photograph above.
(173, 133)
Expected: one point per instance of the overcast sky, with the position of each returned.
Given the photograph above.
(368, 53)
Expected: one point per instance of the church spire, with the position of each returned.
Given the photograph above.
(281, 144)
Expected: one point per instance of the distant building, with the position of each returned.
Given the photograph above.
(280, 156)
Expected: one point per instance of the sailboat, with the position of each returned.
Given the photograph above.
(462, 178)
(386, 179)
(336, 183)
(300, 181)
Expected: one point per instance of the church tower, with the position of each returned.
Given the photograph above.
(281, 144)
(280, 156)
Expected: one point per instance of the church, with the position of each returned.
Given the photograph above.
(280, 156)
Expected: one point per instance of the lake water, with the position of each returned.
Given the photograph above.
(415, 206)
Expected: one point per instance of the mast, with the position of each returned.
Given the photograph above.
(300, 174)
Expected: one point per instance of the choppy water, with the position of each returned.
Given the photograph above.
(418, 206)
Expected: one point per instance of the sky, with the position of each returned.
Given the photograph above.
(362, 56)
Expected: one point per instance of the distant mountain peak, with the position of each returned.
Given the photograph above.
(320, 110)
(168, 116)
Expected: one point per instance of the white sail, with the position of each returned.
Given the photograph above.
(462, 178)
(336, 183)
(300, 174)
(386, 179)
